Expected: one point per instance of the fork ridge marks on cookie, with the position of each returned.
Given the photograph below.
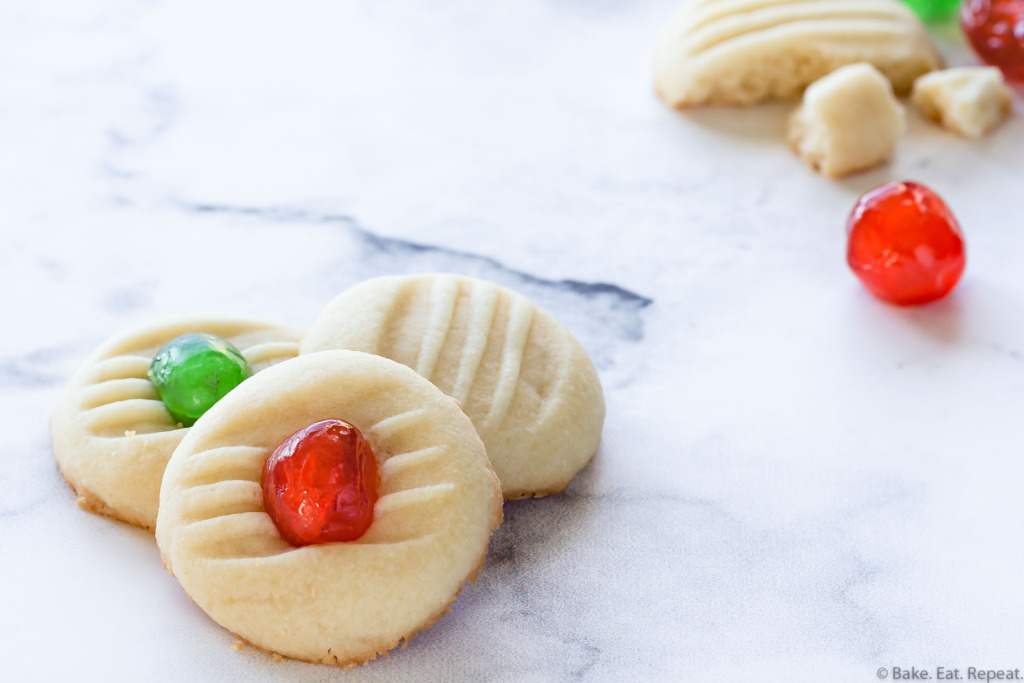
(743, 51)
(221, 494)
(265, 354)
(118, 400)
(525, 382)
(516, 335)
(223, 516)
(469, 342)
(714, 23)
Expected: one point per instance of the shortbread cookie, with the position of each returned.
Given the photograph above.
(112, 435)
(969, 101)
(334, 603)
(849, 121)
(525, 382)
(745, 51)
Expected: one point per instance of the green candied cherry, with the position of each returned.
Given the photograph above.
(934, 10)
(194, 371)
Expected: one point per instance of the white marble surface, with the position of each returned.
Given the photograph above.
(796, 482)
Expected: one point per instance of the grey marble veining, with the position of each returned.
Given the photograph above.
(795, 482)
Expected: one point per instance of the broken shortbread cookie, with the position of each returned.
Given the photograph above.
(970, 101)
(849, 121)
(745, 51)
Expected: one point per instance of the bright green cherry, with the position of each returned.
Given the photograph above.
(194, 371)
(933, 10)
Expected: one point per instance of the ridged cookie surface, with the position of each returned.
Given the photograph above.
(335, 603)
(746, 51)
(112, 435)
(528, 386)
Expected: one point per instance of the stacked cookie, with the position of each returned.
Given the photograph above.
(454, 383)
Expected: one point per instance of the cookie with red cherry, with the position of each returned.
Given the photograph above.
(328, 508)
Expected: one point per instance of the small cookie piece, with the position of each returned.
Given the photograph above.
(112, 435)
(969, 101)
(745, 51)
(528, 386)
(333, 603)
(849, 121)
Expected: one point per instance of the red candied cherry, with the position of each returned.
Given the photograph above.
(905, 244)
(320, 484)
(995, 29)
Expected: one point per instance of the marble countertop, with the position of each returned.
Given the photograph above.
(796, 483)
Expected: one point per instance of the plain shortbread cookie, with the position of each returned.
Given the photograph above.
(112, 435)
(745, 51)
(333, 603)
(529, 387)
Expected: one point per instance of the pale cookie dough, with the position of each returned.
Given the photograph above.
(334, 603)
(746, 51)
(112, 435)
(970, 101)
(849, 121)
(529, 387)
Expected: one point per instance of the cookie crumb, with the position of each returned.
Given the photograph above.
(849, 121)
(277, 658)
(238, 646)
(129, 433)
(970, 101)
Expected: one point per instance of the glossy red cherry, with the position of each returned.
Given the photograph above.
(320, 484)
(905, 244)
(995, 29)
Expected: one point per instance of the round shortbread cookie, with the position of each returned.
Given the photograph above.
(528, 386)
(334, 603)
(112, 435)
(744, 51)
